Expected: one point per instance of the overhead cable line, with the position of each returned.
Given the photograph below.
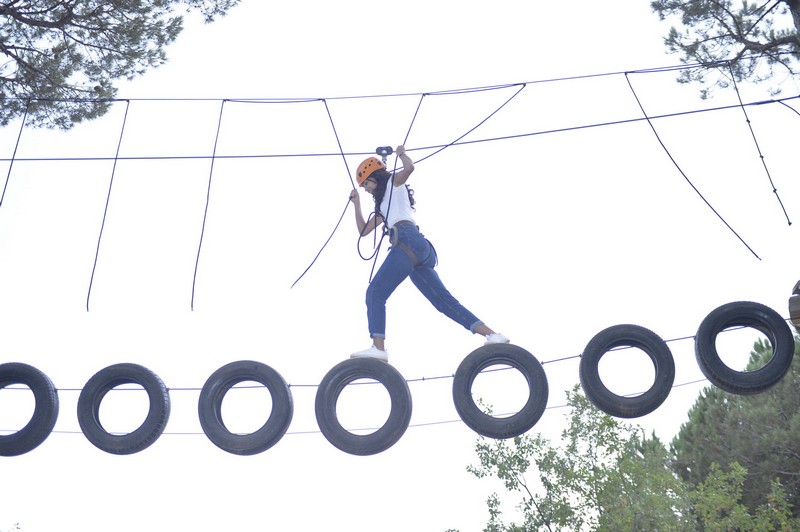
(349, 175)
(477, 125)
(661, 142)
(758, 148)
(105, 209)
(646, 70)
(208, 200)
(134, 388)
(14, 154)
(420, 148)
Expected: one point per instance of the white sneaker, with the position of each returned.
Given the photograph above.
(496, 338)
(372, 352)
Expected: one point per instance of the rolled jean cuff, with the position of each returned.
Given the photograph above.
(378, 335)
(475, 326)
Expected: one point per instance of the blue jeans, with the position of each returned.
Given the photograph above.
(400, 264)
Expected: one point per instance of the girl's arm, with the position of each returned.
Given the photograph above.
(408, 166)
(364, 228)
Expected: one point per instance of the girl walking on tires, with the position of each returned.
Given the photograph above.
(411, 254)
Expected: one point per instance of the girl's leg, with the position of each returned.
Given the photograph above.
(430, 285)
(395, 268)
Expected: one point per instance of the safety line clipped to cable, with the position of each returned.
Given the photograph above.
(208, 200)
(758, 148)
(14, 153)
(671, 158)
(108, 200)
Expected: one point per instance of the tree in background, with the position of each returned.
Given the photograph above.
(734, 41)
(760, 433)
(59, 59)
(605, 475)
(717, 504)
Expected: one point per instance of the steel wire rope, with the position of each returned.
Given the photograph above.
(661, 142)
(14, 153)
(390, 186)
(108, 200)
(341, 217)
(208, 200)
(758, 148)
(521, 86)
(645, 70)
(368, 383)
(463, 143)
(347, 205)
(789, 106)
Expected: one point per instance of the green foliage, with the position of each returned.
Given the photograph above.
(609, 476)
(604, 475)
(717, 504)
(761, 432)
(733, 40)
(58, 60)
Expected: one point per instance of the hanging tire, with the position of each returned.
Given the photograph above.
(500, 427)
(210, 407)
(95, 391)
(627, 336)
(335, 382)
(45, 411)
(755, 316)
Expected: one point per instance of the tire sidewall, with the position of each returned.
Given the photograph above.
(94, 392)
(627, 335)
(331, 387)
(500, 354)
(45, 412)
(755, 316)
(213, 394)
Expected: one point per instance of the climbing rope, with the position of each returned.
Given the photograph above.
(208, 199)
(14, 154)
(108, 200)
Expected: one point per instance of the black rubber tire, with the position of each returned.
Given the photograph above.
(335, 382)
(45, 412)
(209, 407)
(95, 391)
(500, 427)
(630, 336)
(755, 316)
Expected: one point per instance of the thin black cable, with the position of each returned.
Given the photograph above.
(347, 205)
(108, 200)
(349, 176)
(423, 379)
(789, 106)
(323, 245)
(390, 185)
(522, 86)
(339, 143)
(420, 148)
(758, 148)
(208, 200)
(372, 429)
(646, 70)
(14, 153)
(649, 122)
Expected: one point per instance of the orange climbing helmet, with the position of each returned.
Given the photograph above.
(368, 166)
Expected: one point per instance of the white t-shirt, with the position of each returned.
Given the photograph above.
(400, 208)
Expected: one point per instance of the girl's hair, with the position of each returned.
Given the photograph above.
(382, 178)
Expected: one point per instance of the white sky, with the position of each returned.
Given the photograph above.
(549, 238)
